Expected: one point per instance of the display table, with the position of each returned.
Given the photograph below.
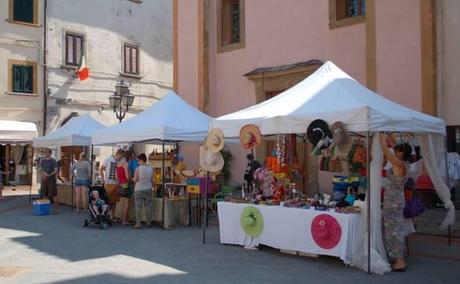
(290, 229)
(176, 211)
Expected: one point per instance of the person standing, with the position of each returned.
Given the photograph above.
(393, 203)
(49, 168)
(143, 177)
(107, 172)
(82, 171)
(123, 178)
(251, 167)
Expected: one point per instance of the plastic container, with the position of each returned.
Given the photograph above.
(41, 207)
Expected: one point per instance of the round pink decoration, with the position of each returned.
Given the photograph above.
(326, 231)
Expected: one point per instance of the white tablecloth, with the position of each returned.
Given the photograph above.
(287, 229)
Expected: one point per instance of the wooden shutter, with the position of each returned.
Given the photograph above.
(131, 57)
(23, 11)
(74, 49)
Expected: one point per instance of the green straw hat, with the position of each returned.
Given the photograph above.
(252, 221)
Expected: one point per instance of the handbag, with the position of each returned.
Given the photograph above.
(123, 190)
(414, 207)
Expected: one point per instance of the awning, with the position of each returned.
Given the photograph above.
(12, 131)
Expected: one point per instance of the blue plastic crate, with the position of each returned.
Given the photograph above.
(41, 207)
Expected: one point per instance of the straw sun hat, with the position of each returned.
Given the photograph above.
(340, 137)
(250, 136)
(211, 162)
(215, 140)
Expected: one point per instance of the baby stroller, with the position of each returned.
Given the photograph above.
(104, 218)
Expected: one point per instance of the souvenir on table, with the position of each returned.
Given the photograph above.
(250, 136)
(281, 153)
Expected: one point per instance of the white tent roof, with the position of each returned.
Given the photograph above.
(332, 95)
(76, 132)
(12, 131)
(171, 119)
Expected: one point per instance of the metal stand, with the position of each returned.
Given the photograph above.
(205, 225)
(163, 187)
(368, 197)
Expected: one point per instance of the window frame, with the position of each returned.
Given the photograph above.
(34, 13)
(348, 21)
(82, 51)
(232, 46)
(33, 64)
(451, 138)
(123, 60)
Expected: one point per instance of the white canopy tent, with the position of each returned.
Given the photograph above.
(17, 131)
(332, 95)
(76, 132)
(171, 119)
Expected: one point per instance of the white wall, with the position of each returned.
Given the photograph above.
(20, 42)
(106, 25)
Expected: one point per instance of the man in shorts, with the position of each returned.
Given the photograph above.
(107, 172)
(49, 168)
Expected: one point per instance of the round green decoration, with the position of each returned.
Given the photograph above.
(252, 221)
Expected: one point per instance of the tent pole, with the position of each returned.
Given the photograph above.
(368, 197)
(32, 177)
(163, 186)
(205, 207)
(92, 164)
(449, 236)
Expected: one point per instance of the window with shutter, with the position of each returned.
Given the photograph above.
(22, 79)
(346, 12)
(131, 59)
(73, 48)
(23, 11)
(230, 24)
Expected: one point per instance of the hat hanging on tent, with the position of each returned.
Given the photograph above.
(215, 140)
(326, 231)
(319, 134)
(340, 137)
(252, 221)
(211, 162)
(250, 136)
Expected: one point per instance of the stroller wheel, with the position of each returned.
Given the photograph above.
(104, 226)
(85, 223)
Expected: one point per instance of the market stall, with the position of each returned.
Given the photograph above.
(76, 132)
(170, 121)
(330, 96)
(16, 155)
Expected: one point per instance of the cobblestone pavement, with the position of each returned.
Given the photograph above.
(56, 249)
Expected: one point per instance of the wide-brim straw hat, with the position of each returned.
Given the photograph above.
(340, 137)
(215, 140)
(211, 162)
(250, 136)
(252, 221)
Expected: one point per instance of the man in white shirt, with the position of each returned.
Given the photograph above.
(107, 172)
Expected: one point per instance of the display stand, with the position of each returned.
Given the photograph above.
(205, 225)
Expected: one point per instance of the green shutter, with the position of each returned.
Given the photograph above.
(23, 11)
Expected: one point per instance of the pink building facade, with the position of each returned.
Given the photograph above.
(230, 54)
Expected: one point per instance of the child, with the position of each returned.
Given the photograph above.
(98, 205)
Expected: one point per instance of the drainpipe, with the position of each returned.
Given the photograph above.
(45, 68)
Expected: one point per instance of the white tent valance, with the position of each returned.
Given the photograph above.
(12, 131)
(76, 132)
(171, 119)
(332, 95)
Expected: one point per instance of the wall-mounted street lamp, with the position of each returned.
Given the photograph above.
(121, 100)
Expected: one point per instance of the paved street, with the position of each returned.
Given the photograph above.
(56, 249)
